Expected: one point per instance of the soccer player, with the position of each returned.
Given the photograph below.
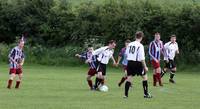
(136, 64)
(171, 49)
(155, 50)
(122, 56)
(16, 59)
(89, 58)
(103, 56)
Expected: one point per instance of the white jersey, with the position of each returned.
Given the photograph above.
(170, 50)
(103, 54)
(135, 51)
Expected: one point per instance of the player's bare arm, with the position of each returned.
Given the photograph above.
(119, 59)
(114, 62)
(78, 55)
(144, 65)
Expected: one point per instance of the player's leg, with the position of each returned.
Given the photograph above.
(91, 73)
(164, 70)
(145, 86)
(102, 79)
(89, 81)
(103, 74)
(12, 76)
(124, 77)
(19, 80)
(130, 74)
(172, 74)
(98, 79)
(127, 85)
(155, 79)
(173, 71)
(158, 75)
(122, 80)
(98, 70)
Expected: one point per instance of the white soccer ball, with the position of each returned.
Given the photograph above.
(103, 88)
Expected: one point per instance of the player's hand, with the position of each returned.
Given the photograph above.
(146, 69)
(88, 61)
(115, 64)
(77, 55)
(156, 61)
(19, 66)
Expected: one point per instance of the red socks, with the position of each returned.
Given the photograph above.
(17, 84)
(154, 79)
(90, 83)
(9, 83)
(157, 78)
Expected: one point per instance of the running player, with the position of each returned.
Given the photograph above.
(171, 49)
(122, 56)
(89, 58)
(16, 59)
(155, 50)
(136, 64)
(103, 56)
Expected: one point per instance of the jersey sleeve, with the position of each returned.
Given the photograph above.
(83, 56)
(177, 47)
(23, 55)
(122, 52)
(151, 50)
(166, 51)
(111, 54)
(127, 50)
(12, 53)
(98, 51)
(162, 48)
(141, 53)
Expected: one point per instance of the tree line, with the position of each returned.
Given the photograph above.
(57, 23)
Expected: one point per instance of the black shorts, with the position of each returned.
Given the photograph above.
(135, 68)
(101, 68)
(170, 65)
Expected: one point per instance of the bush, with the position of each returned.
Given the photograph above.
(54, 24)
(45, 56)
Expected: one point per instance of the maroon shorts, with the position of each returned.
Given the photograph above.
(155, 64)
(15, 71)
(92, 72)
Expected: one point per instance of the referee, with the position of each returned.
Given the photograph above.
(136, 64)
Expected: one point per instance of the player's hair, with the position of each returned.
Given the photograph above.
(139, 34)
(173, 36)
(89, 46)
(111, 41)
(157, 33)
(127, 41)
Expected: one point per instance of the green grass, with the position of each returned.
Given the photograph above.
(65, 88)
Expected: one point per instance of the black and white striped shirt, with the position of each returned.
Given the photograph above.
(15, 55)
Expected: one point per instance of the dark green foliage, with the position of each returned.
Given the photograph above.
(56, 23)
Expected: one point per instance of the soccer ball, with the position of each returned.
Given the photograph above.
(103, 88)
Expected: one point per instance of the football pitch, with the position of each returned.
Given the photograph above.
(46, 87)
